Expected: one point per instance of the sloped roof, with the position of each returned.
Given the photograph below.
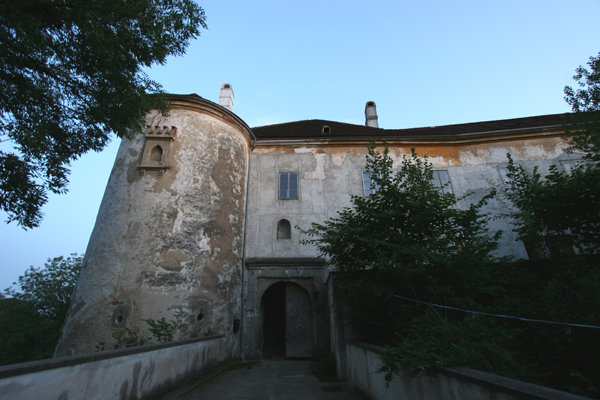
(313, 129)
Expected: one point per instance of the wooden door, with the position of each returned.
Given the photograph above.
(298, 322)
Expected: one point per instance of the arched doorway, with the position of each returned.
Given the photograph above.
(287, 321)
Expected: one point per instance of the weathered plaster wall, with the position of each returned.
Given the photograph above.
(166, 244)
(330, 174)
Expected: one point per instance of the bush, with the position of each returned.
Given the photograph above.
(422, 338)
(32, 311)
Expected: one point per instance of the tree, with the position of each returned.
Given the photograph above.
(584, 125)
(49, 289)
(556, 212)
(411, 239)
(33, 310)
(562, 210)
(72, 74)
(417, 274)
(407, 223)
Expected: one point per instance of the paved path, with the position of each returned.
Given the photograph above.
(267, 380)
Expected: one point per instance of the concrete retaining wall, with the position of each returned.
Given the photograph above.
(121, 374)
(363, 361)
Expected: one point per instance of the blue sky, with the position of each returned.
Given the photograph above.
(424, 63)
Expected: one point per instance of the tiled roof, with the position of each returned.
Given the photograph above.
(313, 129)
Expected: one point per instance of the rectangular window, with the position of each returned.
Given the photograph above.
(503, 171)
(570, 165)
(288, 185)
(369, 186)
(441, 180)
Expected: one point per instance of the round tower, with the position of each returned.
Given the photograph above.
(169, 234)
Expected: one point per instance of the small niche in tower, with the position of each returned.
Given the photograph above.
(155, 156)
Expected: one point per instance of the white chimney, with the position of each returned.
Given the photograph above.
(371, 114)
(226, 97)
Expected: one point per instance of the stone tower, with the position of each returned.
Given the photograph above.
(168, 239)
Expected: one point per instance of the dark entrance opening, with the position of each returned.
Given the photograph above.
(273, 307)
(287, 321)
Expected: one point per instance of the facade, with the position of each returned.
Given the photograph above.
(199, 222)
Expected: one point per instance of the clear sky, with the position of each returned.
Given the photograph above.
(424, 63)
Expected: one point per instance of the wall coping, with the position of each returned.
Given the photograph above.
(515, 387)
(43, 365)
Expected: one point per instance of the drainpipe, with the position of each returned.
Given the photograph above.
(242, 303)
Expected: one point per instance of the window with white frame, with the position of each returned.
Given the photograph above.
(288, 186)
(441, 180)
(369, 187)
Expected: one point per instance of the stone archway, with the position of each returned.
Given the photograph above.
(287, 319)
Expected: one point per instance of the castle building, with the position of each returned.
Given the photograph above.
(199, 221)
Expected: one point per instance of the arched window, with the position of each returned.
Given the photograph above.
(284, 229)
(156, 154)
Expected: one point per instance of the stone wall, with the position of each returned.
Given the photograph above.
(121, 374)
(363, 361)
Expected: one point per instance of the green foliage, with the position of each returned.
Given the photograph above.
(423, 226)
(49, 289)
(556, 212)
(24, 334)
(126, 337)
(73, 73)
(584, 126)
(559, 211)
(552, 214)
(161, 329)
(411, 240)
(324, 365)
(412, 235)
(421, 338)
(207, 332)
(436, 339)
(564, 289)
(32, 312)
